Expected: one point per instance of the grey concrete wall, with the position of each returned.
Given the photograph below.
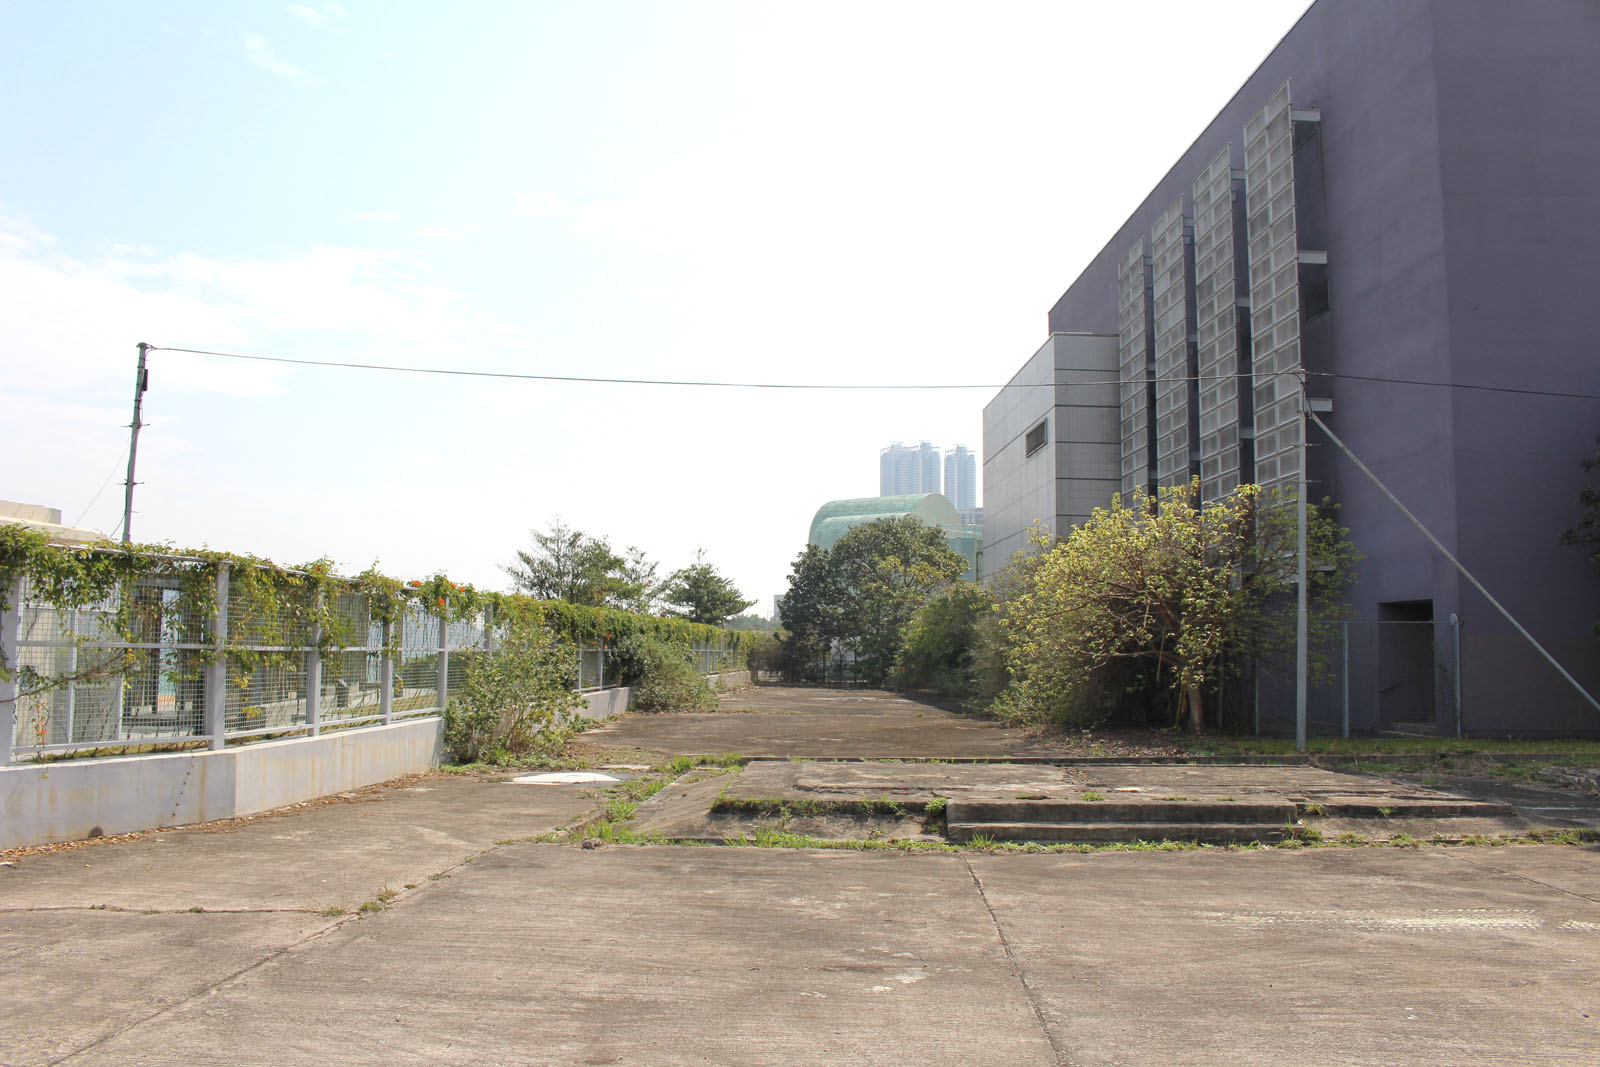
(1462, 219)
(1071, 381)
(69, 800)
(1018, 489)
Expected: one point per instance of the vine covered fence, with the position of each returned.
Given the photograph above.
(133, 650)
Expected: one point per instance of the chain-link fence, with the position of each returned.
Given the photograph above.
(1422, 676)
(146, 668)
(188, 656)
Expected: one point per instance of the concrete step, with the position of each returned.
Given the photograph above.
(1380, 807)
(1275, 812)
(1218, 833)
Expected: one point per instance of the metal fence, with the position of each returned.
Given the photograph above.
(1378, 675)
(598, 667)
(166, 678)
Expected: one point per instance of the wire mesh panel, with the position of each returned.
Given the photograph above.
(590, 668)
(353, 683)
(416, 675)
(271, 697)
(83, 683)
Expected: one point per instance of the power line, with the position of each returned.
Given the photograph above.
(849, 386)
(1454, 385)
(79, 520)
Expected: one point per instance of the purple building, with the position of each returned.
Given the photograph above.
(1404, 201)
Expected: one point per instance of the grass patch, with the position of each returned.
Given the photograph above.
(333, 911)
(775, 807)
(1093, 796)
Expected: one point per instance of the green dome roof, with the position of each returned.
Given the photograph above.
(837, 516)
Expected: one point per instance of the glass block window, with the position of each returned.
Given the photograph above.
(1133, 348)
(1274, 289)
(1168, 293)
(1217, 326)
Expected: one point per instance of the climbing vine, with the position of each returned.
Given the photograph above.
(155, 594)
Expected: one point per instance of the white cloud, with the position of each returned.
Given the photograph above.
(317, 19)
(262, 55)
(536, 205)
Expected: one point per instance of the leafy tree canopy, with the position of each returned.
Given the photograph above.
(862, 592)
(1172, 581)
(700, 593)
(567, 564)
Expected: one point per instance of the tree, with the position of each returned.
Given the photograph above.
(942, 639)
(1174, 582)
(1586, 534)
(810, 614)
(860, 594)
(700, 593)
(639, 590)
(567, 564)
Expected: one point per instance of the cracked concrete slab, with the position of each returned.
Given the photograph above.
(328, 856)
(1368, 956)
(670, 956)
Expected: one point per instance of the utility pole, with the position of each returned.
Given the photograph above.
(1302, 606)
(141, 382)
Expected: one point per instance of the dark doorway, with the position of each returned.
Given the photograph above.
(1405, 666)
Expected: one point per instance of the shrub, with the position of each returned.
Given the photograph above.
(763, 654)
(662, 675)
(509, 697)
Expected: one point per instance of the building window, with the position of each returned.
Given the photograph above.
(1037, 438)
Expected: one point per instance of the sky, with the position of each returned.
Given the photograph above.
(825, 193)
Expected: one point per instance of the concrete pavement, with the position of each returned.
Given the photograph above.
(550, 954)
(783, 722)
(531, 953)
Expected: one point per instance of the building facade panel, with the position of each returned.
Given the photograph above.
(1063, 387)
(1134, 315)
(1274, 290)
(1218, 328)
(1169, 290)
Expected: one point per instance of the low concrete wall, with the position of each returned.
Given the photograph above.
(69, 800)
(73, 799)
(604, 703)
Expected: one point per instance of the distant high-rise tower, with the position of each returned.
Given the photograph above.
(961, 478)
(903, 470)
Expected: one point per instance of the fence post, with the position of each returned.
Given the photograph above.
(314, 675)
(443, 681)
(1455, 627)
(72, 672)
(1344, 704)
(386, 676)
(216, 685)
(10, 664)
